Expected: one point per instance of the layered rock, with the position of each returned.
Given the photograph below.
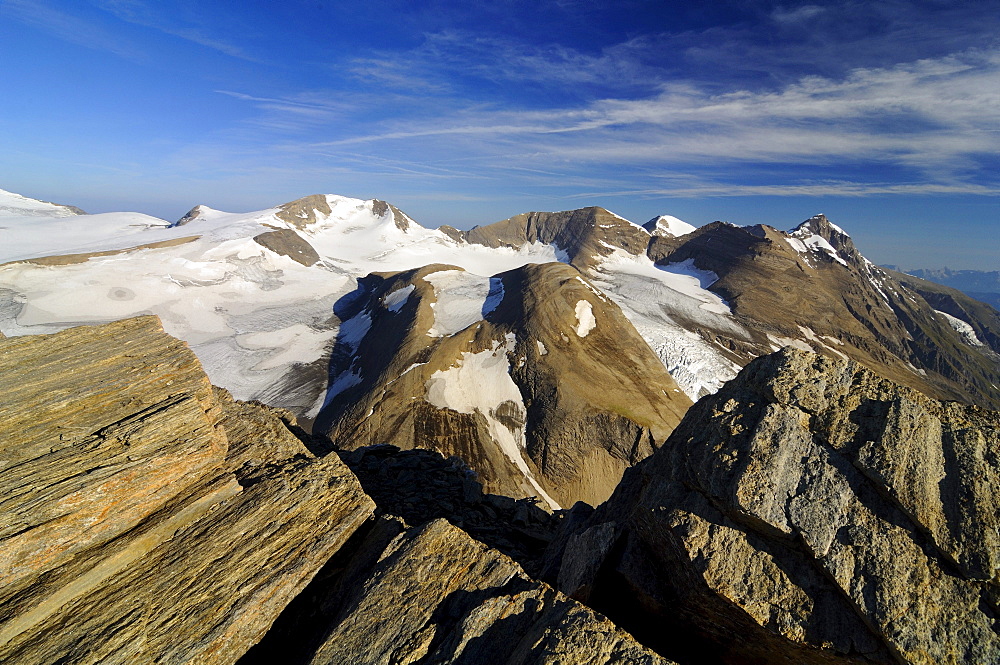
(533, 377)
(809, 511)
(145, 517)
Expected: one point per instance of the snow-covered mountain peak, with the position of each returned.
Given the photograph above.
(202, 213)
(668, 226)
(819, 225)
(819, 235)
(15, 205)
(319, 213)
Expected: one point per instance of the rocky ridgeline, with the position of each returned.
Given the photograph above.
(147, 517)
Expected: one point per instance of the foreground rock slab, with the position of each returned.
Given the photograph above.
(438, 596)
(132, 527)
(810, 512)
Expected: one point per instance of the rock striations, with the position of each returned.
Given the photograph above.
(817, 508)
(808, 511)
(137, 525)
(148, 517)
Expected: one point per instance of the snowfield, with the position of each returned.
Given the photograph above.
(259, 321)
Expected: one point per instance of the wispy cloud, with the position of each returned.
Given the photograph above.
(70, 27)
(831, 188)
(935, 115)
(445, 58)
(796, 15)
(191, 28)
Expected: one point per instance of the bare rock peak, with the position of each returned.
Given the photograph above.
(302, 212)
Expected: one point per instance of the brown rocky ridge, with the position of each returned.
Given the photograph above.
(837, 303)
(810, 288)
(541, 427)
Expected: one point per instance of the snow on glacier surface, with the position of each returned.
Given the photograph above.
(252, 316)
(15, 205)
(659, 302)
(461, 298)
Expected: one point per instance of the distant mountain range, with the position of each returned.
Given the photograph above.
(980, 284)
(486, 343)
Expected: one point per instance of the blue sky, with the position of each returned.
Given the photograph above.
(883, 115)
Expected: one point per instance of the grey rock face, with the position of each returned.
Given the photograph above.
(585, 235)
(811, 509)
(288, 243)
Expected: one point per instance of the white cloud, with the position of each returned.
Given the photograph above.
(937, 115)
(796, 15)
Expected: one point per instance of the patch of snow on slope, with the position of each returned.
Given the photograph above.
(349, 337)
(394, 301)
(691, 281)
(33, 237)
(461, 298)
(965, 331)
(15, 205)
(585, 321)
(481, 383)
(805, 242)
(654, 300)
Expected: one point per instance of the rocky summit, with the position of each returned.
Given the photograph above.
(322, 433)
(809, 512)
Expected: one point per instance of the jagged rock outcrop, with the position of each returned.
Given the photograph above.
(810, 510)
(436, 595)
(534, 377)
(145, 517)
